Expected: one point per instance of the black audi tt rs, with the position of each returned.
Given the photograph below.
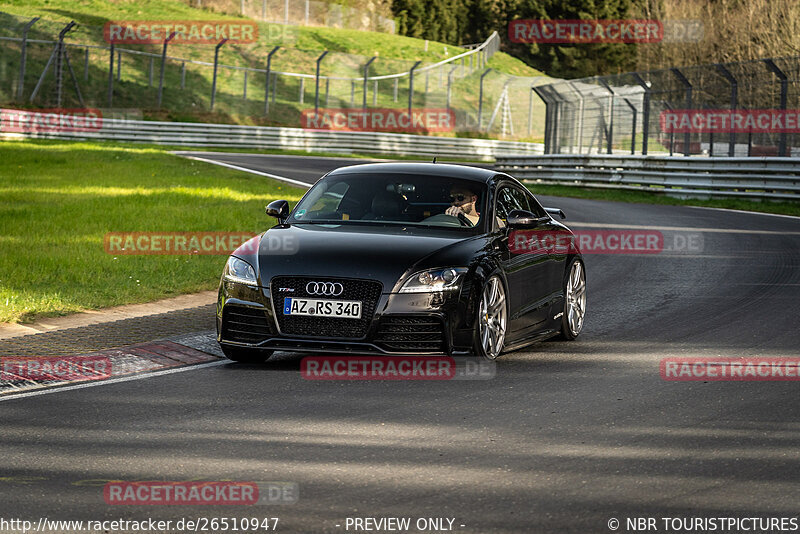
(403, 258)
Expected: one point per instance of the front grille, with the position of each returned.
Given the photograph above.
(245, 325)
(366, 291)
(411, 333)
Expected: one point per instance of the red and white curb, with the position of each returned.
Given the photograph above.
(144, 358)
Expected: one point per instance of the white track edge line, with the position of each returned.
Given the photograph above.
(796, 217)
(252, 171)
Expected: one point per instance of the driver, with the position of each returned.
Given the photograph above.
(464, 201)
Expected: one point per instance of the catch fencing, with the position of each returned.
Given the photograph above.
(45, 64)
(629, 113)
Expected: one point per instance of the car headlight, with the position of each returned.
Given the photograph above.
(434, 280)
(239, 271)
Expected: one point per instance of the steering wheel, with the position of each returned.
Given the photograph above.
(464, 221)
(444, 219)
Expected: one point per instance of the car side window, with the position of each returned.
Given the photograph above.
(508, 200)
(536, 208)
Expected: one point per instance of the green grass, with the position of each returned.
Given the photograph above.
(58, 200)
(641, 197)
(349, 50)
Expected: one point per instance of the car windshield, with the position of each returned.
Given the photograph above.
(407, 199)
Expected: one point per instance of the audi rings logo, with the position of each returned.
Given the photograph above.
(331, 289)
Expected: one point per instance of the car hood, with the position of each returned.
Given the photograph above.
(383, 253)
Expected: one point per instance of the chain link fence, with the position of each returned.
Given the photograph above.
(45, 64)
(372, 16)
(641, 112)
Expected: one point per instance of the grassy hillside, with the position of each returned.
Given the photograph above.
(349, 50)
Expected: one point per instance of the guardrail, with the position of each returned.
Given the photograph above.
(265, 137)
(753, 177)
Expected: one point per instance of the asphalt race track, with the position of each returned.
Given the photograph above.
(567, 436)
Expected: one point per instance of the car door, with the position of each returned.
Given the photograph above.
(527, 270)
(557, 254)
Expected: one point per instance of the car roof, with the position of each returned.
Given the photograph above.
(433, 169)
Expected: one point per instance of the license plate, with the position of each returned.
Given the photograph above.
(348, 309)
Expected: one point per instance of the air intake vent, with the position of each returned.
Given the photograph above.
(245, 325)
(411, 334)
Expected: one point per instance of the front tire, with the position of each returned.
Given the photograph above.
(491, 321)
(574, 301)
(245, 355)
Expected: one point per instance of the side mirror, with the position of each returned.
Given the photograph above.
(523, 219)
(279, 209)
(555, 211)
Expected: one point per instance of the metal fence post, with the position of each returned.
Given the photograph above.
(710, 139)
(301, 97)
(163, 62)
(645, 112)
(119, 65)
(375, 94)
(56, 55)
(183, 75)
(581, 115)
(610, 134)
(23, 58)
(548, 118)
(633, 126)
(59, 64)
(266, 85)
(286, 12)
(530, 111)
(449, 84)
(366, 73)
(686, 136)
(480, 99)
(111, 74)
(394, 90)
(784, 91)
(671, 133)
(411, 86)
(734, 97)
(214, 79)
(316, 89)
(244, 90)
(86, 65)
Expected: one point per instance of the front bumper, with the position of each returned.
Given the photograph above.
(399, 324)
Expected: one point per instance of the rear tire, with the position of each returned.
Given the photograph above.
(245, 355)
(574, 301)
